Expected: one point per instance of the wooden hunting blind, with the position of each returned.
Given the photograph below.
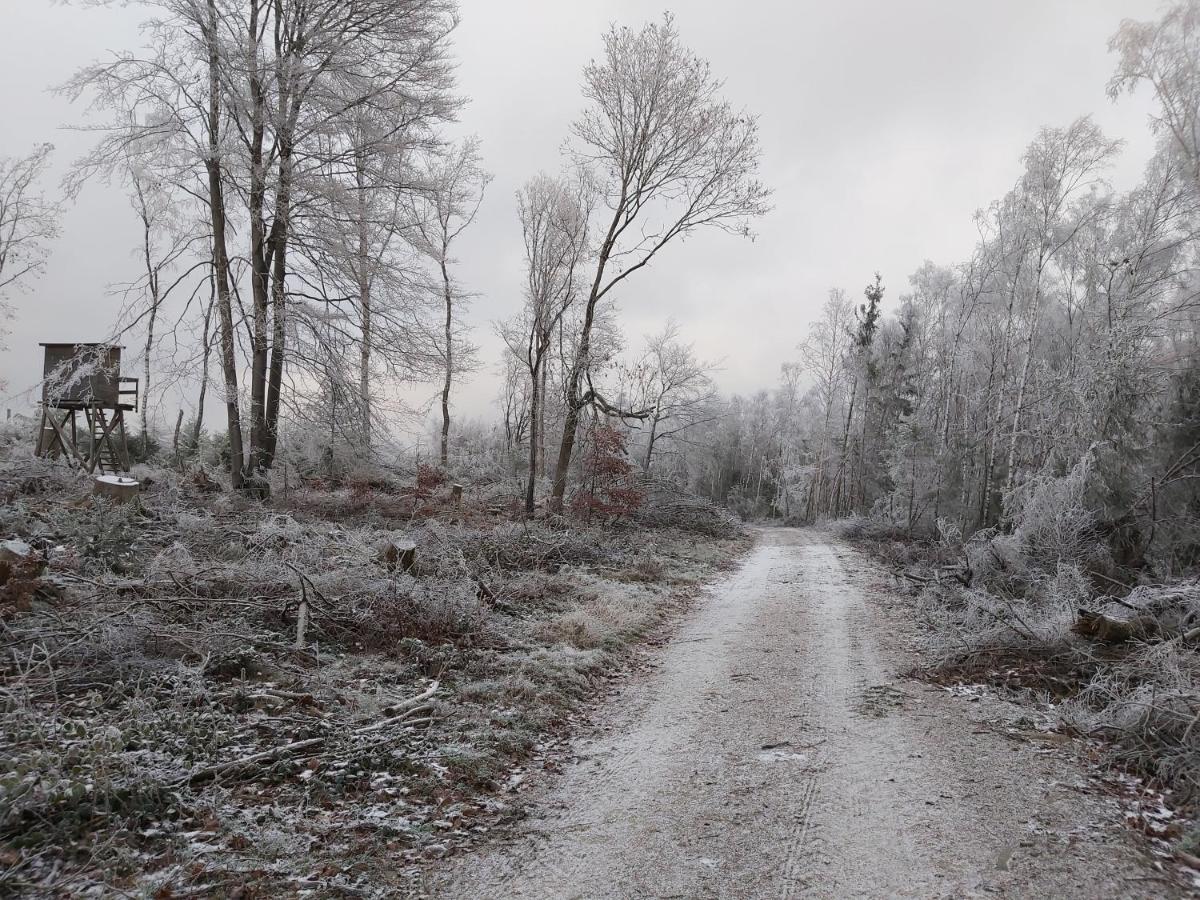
(85, 379)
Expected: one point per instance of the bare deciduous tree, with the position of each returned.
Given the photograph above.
(554, 218)
(671, 157)
(674, 386)
(453, 185)
(28, 222)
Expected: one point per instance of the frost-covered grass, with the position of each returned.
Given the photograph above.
(194, 629)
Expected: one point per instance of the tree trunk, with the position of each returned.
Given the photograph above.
(534, 435)
(541, 413)
(844, 477)
(152, 285)
(449, 337)
(216, 206)
(175, 440)
(364, 302)
(565, 449)
(283, 213)
(650, 444)
(287, 114)
(574, 402)
(259, 271)
(206, 337)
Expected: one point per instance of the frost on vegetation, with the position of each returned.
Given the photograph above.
(195, 685)
(1040, 604)
(1052, 521)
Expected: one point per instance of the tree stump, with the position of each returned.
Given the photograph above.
(393, 556)
(257, 487)
(14, 555)
(456, 492)
(116, 488)
(408, 556)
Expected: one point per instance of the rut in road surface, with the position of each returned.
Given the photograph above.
(775, 752)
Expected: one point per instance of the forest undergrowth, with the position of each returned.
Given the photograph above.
(203, 695)
(1040, 608)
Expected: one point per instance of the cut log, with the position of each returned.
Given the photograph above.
(402, 710)
(1107, 630)
(254, 761)
(116, 488)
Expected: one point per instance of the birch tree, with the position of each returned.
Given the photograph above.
(1166, 55)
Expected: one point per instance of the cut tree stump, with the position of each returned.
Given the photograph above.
(117, 488)
(393, 556)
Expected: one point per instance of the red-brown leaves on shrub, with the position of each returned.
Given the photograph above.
(607, 490)
(429, 479)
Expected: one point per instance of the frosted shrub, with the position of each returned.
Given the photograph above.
(433, 609)
(868, 528)
(1148, 705)
(950, 533)
(996, 561)
(1051, 520)
(1068, 588)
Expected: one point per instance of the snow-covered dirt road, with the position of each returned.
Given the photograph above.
(775, 751)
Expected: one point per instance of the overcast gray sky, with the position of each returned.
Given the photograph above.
(884, 124)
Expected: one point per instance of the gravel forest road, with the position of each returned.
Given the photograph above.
(775, 751)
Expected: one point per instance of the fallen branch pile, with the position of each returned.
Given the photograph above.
(256, 761)
(666, 505)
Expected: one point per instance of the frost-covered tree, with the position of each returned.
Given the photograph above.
(670, 156)
(248, 93)
(554, 229)
(1166, 55)
(452, 187)
(28, 223)
(674, 387)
